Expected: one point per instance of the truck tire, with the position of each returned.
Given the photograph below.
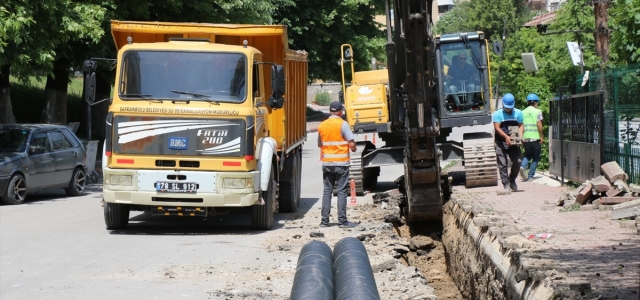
(116, 216)
(16, 190)
(288, 197)
(262, 215)
(77, 183)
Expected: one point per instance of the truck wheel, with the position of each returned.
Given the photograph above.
(77, 184)
(288, 198)
(116, 216)
(16, 190)
(262, 215)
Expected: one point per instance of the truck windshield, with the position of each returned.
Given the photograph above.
(462, 76)
(197, 76)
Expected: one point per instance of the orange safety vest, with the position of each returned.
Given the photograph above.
(334, 147)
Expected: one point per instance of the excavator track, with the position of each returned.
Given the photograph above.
(480, 160)
(356, 171)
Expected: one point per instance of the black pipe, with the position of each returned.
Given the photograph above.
(352, 271)
(314, 273)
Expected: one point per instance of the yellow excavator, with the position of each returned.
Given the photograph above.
(437, 83)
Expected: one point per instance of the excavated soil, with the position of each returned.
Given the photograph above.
(409, 262)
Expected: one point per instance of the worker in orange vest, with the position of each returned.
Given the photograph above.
(335, 139)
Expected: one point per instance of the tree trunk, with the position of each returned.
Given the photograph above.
(602, 41)
(55, 92)
(6, 109)
(48, 113)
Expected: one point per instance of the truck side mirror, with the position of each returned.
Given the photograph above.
(497, 48)
(89, 70)
(277, 87)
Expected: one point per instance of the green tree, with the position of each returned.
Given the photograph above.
(320, 27)
(624, 16)
(474, 16)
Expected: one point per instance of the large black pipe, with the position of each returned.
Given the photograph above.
(314, 273)
(352, 271)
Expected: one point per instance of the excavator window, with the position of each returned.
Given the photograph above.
(463, 85)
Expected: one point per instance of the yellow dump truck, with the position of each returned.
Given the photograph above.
(205, 119)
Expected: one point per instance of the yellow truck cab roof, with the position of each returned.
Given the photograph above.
(271, 40)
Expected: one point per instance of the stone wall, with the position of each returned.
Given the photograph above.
(315, 88)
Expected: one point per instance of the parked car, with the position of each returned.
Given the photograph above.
(39, 156)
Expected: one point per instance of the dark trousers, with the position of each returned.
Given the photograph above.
(531, 154)
(503, 154)
(340, 177)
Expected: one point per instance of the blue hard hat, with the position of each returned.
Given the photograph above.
(532, 97)
(508, 101)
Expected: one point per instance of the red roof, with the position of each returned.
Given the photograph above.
(543, 19)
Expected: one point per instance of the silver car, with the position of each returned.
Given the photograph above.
(39, 156)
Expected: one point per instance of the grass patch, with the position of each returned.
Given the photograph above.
(572, 207)
(27, 99)
(451, 164)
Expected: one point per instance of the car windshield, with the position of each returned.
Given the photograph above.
(193, 76)
(13, 140)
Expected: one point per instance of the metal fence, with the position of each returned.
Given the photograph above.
(621, 115)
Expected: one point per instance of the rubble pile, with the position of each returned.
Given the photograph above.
(608, 192)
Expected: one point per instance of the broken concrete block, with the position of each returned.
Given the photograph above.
(600, 184)
(605, 207)
(616, 200)
(584, 194)
(628, 224)
(617, 188)
(626, 210)
(548, 207)
(613, 172)
(634, 188)
(596, 204)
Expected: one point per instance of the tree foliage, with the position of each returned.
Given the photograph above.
(474, 16)
(624, 16)
(320, 27)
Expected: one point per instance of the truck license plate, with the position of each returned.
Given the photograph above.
(176, 187)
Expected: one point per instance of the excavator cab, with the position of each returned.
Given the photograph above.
(464, 81)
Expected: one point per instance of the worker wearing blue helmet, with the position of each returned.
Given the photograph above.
(503, 118)
(532, 137)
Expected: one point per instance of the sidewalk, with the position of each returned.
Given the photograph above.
(587, 250)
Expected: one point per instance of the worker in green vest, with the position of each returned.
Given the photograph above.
(532, 138)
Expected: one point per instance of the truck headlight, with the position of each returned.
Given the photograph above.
(237, 183)
(123, 180)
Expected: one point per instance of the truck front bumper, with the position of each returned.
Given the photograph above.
(139, 187)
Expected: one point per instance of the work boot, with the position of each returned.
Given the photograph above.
(513, 186)
(523, 174)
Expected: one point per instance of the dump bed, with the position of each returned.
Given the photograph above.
(287, 125)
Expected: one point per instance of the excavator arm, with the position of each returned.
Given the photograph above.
(412, 103)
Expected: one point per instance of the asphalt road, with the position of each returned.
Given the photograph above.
(57, 247)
